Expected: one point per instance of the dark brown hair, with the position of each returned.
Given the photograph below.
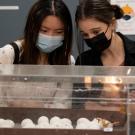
(100, 10)
(37, 14)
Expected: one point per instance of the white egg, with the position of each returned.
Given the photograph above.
(43, 119)
(83, 120)
(10, 123)
(43, 125)
(94, 126)
(55, 119)
(95, 120)
(40, 126)
(82, 126)
(1, 122)
(26, 122)
(65, 120)
(56, 125)
(29, 125)
(5, 125)
(84, 123)
(67, 126)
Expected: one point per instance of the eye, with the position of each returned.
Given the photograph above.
(96, 32)
(85, 35)
(43, 31)
(59, 32)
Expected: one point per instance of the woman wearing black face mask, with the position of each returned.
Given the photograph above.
(96, 20)
(94, 43)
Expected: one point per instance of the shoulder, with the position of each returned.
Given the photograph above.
(8, 47)
(128, 44)
(84, 58)
(7, 52)
(19, 44)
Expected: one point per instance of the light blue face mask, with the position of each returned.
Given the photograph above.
(47, 44)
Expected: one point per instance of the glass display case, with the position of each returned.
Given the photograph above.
(67, 100)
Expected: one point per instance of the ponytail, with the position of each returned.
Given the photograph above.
(118, 12)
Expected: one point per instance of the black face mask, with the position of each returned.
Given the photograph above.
(98, 43)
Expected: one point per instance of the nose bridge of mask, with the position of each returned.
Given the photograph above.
(47, 43)
(50, 39)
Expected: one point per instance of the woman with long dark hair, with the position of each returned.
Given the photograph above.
(47, 41)
(47, 36)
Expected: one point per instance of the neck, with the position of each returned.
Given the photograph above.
(115, 54)
(115, 47)
(43, 59)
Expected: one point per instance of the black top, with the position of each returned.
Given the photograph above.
(92, 58)
(17, 52)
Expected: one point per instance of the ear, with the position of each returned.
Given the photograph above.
(114, 24)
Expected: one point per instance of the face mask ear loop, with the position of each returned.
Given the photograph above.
(107, 30)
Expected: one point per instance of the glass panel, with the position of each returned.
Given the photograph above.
(95, 100)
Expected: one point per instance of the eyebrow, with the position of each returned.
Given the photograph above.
(98, 28)
(49, 28)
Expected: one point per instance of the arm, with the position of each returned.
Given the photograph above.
(7, 54)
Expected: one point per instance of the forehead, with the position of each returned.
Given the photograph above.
(52, 22)
(87, 24)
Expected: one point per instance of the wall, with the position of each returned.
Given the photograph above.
(12, 21)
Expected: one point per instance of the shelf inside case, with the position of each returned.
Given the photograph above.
(19, 114)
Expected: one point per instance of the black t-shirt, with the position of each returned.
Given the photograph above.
(92, 58)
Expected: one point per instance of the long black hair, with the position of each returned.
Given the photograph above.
(39, 11)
